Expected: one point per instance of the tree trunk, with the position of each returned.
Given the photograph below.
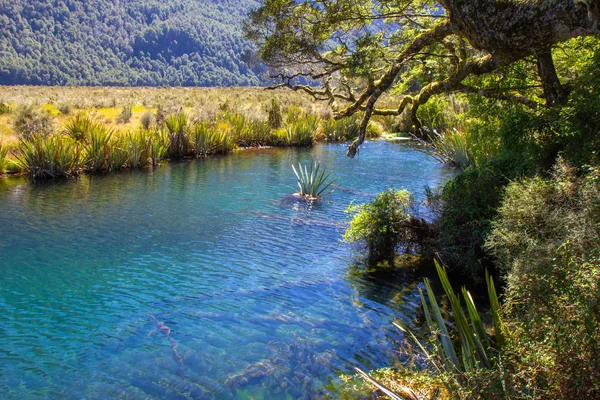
(554, 92)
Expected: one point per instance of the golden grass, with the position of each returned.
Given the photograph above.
(107, 102)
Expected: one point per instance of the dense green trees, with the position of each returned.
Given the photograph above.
(361, 49)
(134, 42)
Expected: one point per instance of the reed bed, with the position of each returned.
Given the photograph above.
(100, 140)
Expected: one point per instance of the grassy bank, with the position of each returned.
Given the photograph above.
(52, 132)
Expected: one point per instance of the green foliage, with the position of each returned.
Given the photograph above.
(28, 122)
(384, 224)
(133, 43)
(546, 238)
(456, 355)
(312, 180)
(81, 127)
(341, 130)
(147, 120)
(451, 147)
(49, 156)
(275, 117)
(139, 147)
(3, 153)
(466, 206)
(4, 108)
(178, 131)
(125, 115)
(207, 140)
(300, 133)
(98, 147)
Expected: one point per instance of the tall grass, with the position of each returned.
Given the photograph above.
(312, 180)
(53, 156)
(139, 147)
(3, 153)
(340, 130)
(98, 147)
(451, 147)
(300, 133)
(461, 348)
(177, 126)
(249, 132)
(80, 127)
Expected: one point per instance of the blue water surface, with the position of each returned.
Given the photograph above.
(198, 279)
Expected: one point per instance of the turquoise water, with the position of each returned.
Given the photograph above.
(197, 279)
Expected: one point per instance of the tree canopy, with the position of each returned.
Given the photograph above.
(361, 49)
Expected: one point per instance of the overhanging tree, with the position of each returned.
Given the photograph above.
(361, 49)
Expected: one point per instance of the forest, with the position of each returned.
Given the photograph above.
(126, 43)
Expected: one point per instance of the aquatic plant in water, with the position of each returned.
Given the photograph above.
(312, 180)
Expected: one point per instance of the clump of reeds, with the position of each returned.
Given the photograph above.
(3, 153)
(300, 133)
(49, 156)
(97, 148)
(125, 115)
(177, 127)
(340, 130)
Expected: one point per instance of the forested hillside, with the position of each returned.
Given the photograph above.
(125, 42)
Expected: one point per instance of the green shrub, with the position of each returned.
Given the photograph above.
(139, 147)
(29, 122)
(98, 148)
(81, 127)
(65, 108)
(4, 108)
(546, 239)
(125, 115)
(147, 119)
(300, 133)
(338, 130)
(3, 153)
(466, 206)
(384, 224)
(275, 117)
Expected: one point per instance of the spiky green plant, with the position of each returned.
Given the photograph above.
(139, 148)
(467, 347)
(4, 108)
(3, 153)
(339, 130)
(53, 156)
(300, 133)
(98, 147)
(451, 147)
(80, 127)
(178, 131)
(312, 180)
(118, 156)
(203, 139)
(159, 146)
(223, 143)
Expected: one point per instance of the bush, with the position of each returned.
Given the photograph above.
(546, 239)
(125, 115)
(466, 206)
(4, 108)
(275, 118)
(147, 119)
(29, 122)
(65, 108)
(385, 224)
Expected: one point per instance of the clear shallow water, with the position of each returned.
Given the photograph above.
(195, 280)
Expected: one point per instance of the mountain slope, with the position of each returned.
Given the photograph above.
(125, 42)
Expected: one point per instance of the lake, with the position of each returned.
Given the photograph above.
(198, 279)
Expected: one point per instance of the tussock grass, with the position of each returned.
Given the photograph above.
(50, 156)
